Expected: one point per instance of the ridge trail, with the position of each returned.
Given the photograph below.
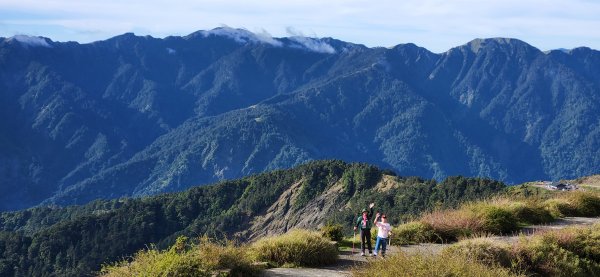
(347, 261)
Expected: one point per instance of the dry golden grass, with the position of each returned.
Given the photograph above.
(449, 225)
(424, 265)
(295, 248)
(182, 259)
(499, 215)
(589, 181)
(484, 250)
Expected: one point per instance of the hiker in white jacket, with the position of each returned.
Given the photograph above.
(383, 232)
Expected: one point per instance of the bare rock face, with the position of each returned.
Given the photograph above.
(283, 214)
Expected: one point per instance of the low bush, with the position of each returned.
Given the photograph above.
(536, 256)
(182, 259)
(585, 204)
(445, 264)
(497, 220)
(577, 203)
(450, 225)
(412, 233)
(374, 235)
(584, 242)
(483, 250)
(559, 207)
(295, 248)
(334, 232)
(530, 212)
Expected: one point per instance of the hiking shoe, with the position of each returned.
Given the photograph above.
(375, 254)
(362, 253)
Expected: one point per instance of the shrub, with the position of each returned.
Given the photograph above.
(498, 220)
(585, 204)
(182, 260)
(450, 225)
(483, 250)
(333, 232)
(295, 248)
(153, 262)
(584, 242)
(578, 203)
(531, 212)
(549, 259)
(373, 236)
(567, 252)
(412, 233)
(559, 207)
(445, 264)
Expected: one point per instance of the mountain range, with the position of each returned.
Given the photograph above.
(136, 116)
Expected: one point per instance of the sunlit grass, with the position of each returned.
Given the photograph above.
(499, 215)
(295, 248)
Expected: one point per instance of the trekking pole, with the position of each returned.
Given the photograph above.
(353, 239)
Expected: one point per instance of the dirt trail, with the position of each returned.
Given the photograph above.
(346, 260)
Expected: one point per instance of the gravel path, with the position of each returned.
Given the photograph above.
(346, 260)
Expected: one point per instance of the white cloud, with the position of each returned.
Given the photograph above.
(435, 24)
(312, 44)
(242, 36)
(30, 41)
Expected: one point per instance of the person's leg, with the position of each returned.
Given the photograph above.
(362, 241)
(384, 243)
(377, 245)
(369, 244)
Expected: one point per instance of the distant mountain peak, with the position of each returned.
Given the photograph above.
(480, 43)
(582, 50)
(31, 41)
(561, 50)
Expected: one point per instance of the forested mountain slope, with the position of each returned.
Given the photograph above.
(135, 116)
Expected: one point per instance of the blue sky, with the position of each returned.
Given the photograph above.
(435, 24)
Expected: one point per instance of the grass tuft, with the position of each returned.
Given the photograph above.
(182, 259)
(450, 225)
(295, 248)
(334, 232)
(412, 233)
(483, 250)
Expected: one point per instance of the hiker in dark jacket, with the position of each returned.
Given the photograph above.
(364, 223)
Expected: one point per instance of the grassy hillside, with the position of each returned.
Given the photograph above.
(76, 240)
(588, 182)
(209, 258)
(573, 251)
(505, 214)
(566, 252)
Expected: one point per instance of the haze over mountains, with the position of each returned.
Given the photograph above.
(132, 116)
